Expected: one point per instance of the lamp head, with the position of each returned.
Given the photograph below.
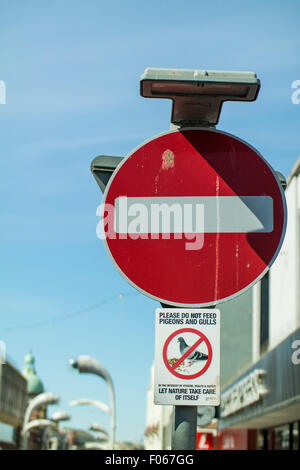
(198, 95)
(73, 363)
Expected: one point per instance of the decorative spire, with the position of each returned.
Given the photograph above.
(34, 383)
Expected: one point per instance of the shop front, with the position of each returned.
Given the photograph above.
(261, 409)
(237, 439)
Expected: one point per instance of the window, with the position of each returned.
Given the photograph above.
(287, 437)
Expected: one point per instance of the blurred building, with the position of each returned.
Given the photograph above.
(260, 358)
(55, 438)
(13, 399)
(76, 439)
(128, 445)
(260, 408)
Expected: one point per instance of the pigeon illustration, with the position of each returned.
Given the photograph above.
(194, 356)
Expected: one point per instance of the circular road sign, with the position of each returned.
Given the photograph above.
(193, 217)
(201, 366)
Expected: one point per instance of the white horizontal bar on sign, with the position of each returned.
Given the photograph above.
(207, 214)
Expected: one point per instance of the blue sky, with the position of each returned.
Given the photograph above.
(72, 70)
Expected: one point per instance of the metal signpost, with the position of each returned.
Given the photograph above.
(191, 218)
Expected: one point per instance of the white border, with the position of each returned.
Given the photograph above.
(226, 299)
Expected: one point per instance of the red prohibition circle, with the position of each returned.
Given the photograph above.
(171, 369)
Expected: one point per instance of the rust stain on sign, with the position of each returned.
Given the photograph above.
(168, 159)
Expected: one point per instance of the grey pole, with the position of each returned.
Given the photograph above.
(184, 429)
(184, 426)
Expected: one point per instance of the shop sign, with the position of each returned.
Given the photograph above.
(245, 392)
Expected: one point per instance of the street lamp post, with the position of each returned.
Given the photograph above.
(46, 398)
(98, 428)
(102, 435)
(86, 364)
(60, 416)
(57, 417)
(98, 404)
(38, 423)
(89, 401)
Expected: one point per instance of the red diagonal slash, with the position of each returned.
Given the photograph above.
(191, 349)
(187, 353)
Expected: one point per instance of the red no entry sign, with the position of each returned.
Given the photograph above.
(194, 217)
